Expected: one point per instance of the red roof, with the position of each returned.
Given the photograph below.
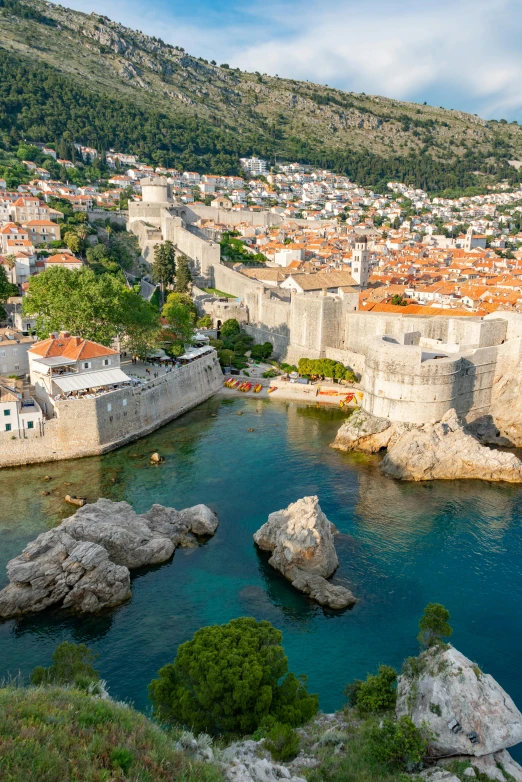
(75, 348)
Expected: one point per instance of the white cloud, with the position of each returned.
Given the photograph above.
(458, 53)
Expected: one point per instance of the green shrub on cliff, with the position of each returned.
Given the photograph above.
(229, 678)
(434, 625)
(72, 665)
(376, 694)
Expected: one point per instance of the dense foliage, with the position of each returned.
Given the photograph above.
(233, 249)
(376, 694)
(7, 289)
(180, 313)
(229, 678)
(164, 264)
(325, 368)
(399, 744)
(90, 306)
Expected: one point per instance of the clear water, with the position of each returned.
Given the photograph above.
(402, 546)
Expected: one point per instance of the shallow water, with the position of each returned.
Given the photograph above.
(401, 546)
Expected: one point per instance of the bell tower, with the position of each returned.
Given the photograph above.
(361, 262)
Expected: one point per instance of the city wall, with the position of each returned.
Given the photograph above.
(87, 427)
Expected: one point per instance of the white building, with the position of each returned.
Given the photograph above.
(16, 412)
(254, 165)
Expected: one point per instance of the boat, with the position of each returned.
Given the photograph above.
(272, 389)
(258, 388)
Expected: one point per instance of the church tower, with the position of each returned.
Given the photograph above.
(361, 262)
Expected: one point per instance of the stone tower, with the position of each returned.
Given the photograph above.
(361, 262)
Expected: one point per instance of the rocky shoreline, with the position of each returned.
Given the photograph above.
(446, 450)
(84, 564)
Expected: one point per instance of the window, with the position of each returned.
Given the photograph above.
(17, 366)
(15, 351)
(8, 427)
(7, 412)
(2, 353)
(30, 424)
(109, 408)
(106, 362)
(124, 402)
(86, 364)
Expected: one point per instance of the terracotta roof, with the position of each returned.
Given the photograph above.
(63, 258)
(75, 348)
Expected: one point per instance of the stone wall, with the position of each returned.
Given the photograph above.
(410, 384)
(88, 427)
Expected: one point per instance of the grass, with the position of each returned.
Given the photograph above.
(221, 294)
(349, 756)
(52, 734)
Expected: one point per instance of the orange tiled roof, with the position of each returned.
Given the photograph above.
(75, 348)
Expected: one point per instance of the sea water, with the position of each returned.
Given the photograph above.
(400, 546)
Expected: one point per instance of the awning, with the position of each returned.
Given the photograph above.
(56, 361)
(195, 352)
(103, 377)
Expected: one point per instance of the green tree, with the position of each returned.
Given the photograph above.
(398, 744)
(180, 313)
(164, 265)
(229, 678)
(230, 328)
(398, 300)
(73, 664)
(7, 289)
(376, 694)
(183, 274)
(72, 240)
(204, 322)
(434, 625)
(94, 307)
(262, 352)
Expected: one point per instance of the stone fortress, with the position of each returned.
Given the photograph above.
(414, 368)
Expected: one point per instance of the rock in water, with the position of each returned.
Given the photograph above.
(364, 432)
(84, 562)
(300, 538)
(467, 712)
(156, 458)
(446, 451)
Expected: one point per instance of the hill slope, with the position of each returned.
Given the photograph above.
(111, 86)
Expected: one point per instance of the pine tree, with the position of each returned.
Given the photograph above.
(164, 265)
(183, 274)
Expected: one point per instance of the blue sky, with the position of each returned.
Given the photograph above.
(460, 54)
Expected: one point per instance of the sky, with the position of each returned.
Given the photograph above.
(459, 54)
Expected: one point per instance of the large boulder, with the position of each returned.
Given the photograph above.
(445, 450)
(300, 538)
(84, 562)
(364, 432)
(506, 407)
(466, 710)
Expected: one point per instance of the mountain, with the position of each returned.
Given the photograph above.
(66, 72)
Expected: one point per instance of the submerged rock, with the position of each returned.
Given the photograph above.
(300, 538)
(445, 450)
(466, 711)
(84, 562)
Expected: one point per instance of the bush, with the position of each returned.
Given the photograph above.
(230, 328)
(262, 352)
(400, 744)
(72, 664)
(122, 758)
(375, 695)
(229, 678)
(325, 367)
(205, 322)
(434, 625)
(282, 742)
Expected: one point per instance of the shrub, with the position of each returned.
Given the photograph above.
(204, 322)
(400, 744)
(375, 695)
(282, 742)
(229, 678)
(122, 758)
(230, 328)
(262, 352)
(434, 625)
(72, 664)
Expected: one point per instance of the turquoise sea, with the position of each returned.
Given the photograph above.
(401, 546)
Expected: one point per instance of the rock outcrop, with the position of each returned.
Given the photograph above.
(364, 432)
(242, 763)
(467, 711)
(300, 538)
(506, 407)
(446, 451)
(84, 563)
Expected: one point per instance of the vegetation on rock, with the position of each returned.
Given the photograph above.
(434, 625)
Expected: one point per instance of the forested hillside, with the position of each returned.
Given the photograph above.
(81, 76)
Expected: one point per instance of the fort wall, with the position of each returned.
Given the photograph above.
(87, 427)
